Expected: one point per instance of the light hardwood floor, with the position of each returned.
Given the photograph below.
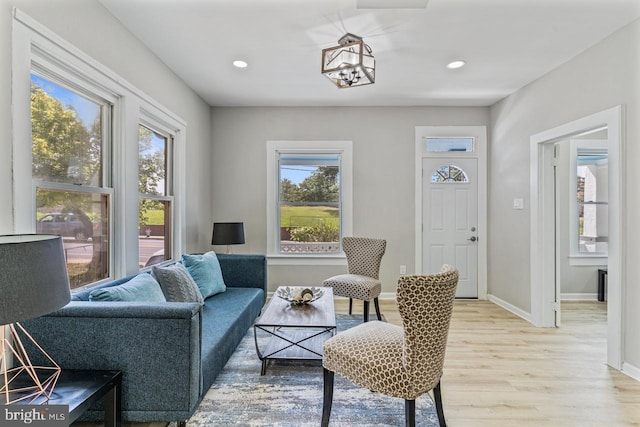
(501, 371)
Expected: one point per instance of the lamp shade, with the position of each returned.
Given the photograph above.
(33, 276)
(228, 233)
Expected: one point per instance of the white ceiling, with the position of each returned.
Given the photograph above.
(506, 43)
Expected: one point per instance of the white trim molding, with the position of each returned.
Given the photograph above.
(479, 133)
(274, 148)
(510, 307)
(579, 297)
(542, 279)
(631, 370)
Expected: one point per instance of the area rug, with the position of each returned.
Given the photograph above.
(290, 394)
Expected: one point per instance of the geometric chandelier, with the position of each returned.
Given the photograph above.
(349, 64)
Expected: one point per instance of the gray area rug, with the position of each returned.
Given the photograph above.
(290, 394)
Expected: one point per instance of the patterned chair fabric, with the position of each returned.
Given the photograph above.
(407, 361)
(363, 257)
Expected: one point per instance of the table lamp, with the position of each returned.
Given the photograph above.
(33, 282)
(228, 233)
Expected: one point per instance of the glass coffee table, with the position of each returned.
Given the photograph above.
(297, 332)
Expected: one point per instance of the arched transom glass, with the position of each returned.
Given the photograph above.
(449, 173)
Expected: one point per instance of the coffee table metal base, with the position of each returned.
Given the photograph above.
(292, 343)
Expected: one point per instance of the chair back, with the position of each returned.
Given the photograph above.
(425, 303)
(364, 255)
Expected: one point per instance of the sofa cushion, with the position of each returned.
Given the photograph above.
(177, 284)
(206, 272)
(142, 288)
(225, 320)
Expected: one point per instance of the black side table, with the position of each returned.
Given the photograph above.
(81, 389)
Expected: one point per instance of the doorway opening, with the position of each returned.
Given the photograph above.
(545, 301)
(581, 171)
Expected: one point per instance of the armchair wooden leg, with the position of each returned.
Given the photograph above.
(377, 305)
(350, 305)
(328, 396)
(438, 401)
(366, 311)
(410, 413)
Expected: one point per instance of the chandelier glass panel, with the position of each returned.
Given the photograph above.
(349, 64)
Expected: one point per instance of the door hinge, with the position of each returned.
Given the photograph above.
(556, 306)
(556, 155)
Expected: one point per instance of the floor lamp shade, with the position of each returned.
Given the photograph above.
(33, 282)
(33, 277)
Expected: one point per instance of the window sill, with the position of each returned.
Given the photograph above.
(311, 259)
(589, 260)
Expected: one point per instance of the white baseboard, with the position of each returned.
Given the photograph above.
(579, 297)
(510, 307)
(630, 370)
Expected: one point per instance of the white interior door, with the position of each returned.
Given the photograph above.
(450, 219)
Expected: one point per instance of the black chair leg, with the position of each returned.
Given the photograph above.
(328, 397)
(377, 305)
(366, 311)
(410, 413)
(438, 401)
(350, 305)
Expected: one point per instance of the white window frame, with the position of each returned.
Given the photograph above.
(577, 258)
(274, 148)
(34, 44)
(167, 132)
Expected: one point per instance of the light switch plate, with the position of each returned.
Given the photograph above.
(518, 204)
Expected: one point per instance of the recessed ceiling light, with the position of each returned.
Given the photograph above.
(240, 64)
(456, 64)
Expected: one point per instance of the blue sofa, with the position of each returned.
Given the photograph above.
(170, 353)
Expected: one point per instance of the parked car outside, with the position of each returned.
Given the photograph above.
(64, 224)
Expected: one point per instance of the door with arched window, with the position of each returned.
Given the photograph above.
(450, 219)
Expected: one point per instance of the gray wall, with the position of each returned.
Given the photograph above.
(383, 167)
(602, 77)
(88, 26)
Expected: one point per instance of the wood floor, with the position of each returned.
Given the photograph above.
(501, 371)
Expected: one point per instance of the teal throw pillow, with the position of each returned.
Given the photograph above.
(177, 284)
(142, 288)
(206, 272)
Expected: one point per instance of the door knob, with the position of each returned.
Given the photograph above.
(473, 238)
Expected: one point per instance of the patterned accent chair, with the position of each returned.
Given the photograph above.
(363, 257)
(404, 362)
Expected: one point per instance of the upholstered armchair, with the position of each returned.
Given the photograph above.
(363, 257)
(399, 361)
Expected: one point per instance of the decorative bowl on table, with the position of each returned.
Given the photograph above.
(299, 296)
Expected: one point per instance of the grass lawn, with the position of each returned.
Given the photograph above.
(156, 217)
(298, 216)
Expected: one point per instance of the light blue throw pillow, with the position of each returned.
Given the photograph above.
(206, 272)
(142, 288)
